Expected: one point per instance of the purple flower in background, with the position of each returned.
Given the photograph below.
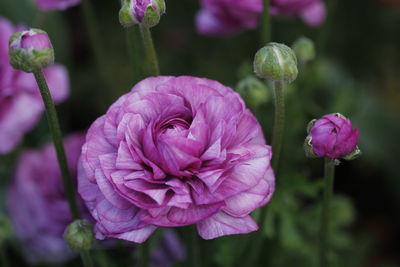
(36, 202)
(175, 151)
(20, 103)
(225, 17)
(48, 5)
(333, 136)
(168, 250)
(311, 11)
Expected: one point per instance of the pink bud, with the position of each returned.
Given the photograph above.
(332, 136)
(38, 41)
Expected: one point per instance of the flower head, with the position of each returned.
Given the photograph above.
(175, 151)
(147, 12)
(48, 5)
(332, 136)
(20, 103)
(36, 201)
(30, 50)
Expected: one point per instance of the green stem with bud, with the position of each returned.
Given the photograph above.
(279, 124)
(266, 24)
(329, 172)
(150, 51)
(55, 130)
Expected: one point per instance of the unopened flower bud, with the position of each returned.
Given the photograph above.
(79, 236)
(304, 49)
(253, 91)
(146, 12)
(5, 229)
(30, 50)
(276, 62)
(332, 136)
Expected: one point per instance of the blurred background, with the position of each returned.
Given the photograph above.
(356, 72)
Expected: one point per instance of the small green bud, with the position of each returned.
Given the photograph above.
(304, 49)
(79, 236)
(276, 62)
(153, 10)
(30, 50)
(253, 91)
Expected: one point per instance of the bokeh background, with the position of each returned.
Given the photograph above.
(356, 72)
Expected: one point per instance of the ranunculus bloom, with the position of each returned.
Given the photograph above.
(21, 105)
(332, 136)
(36, 202)
(48, 5)
(175, 151)
(311, 11)
(225, 17)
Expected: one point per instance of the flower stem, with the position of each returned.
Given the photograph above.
(150, 51)
(134, 52)
(57, 140)
(266, 24)
(86, 259)
(96, 41)
(329, 171)
(144, 254)
(279, 123)
(194, 248)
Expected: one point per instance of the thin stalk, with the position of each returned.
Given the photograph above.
(3, 257)
(279, 124)
(266, 24)
(144, 254)
(326, 29)
(150, 51)
(94, 36)
(329, 171)
(86, 259)
(55, 130)
(194, 256)
(134, 52)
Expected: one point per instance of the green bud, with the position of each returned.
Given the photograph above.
(304, 49)
(79, 236)
(276, 62)
(154, 9)
(30, 50)
(253, 91)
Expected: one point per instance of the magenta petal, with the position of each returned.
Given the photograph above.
(221, 224)
(137, 236)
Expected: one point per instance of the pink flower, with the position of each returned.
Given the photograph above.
(20, 103)
(311, 11)
(36, 202)
(226, 17)
(332, 136)
(175, 151)
(48, 5)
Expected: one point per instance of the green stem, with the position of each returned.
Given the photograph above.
(150, 51)
(3, 257)
(58, 142)
(266, 24)
(95, 40)
(194, 248)
(134, 52)
(144, 254)
(329, 171)
(279, 123)
(86, 259)
(327, 27)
